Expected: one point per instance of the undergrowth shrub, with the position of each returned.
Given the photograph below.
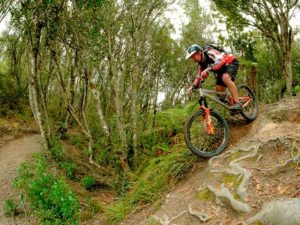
(88, 182)
(93, 206)
(69, 168)
(157, 172)
(49, 196)
(56, 149)
(155, 179)
(10, 207)
(168, 124)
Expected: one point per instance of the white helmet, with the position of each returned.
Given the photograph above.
(192, 50)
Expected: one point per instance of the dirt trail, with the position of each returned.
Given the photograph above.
(272, 135)
(11, 156)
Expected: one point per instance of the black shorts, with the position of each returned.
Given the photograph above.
(231, 69)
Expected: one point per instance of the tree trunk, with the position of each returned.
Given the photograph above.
(81, 123)
(155, 103)
(117, 83)
(74, 63)
(36, 97)
(287, 72)
(98, 104)
(134, 116)
(34, 105)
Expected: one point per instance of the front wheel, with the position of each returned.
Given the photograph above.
(248, 99)
(201, 142)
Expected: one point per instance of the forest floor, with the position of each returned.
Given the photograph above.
(257, 167)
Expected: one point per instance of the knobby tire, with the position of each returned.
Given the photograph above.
(251, 111)
(199, 141)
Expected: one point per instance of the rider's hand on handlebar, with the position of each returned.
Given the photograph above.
(190, 90)
(205, 72)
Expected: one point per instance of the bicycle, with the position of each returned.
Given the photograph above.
(206, 132)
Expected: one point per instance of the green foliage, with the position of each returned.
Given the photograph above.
(269, 80)
(171, 119)
(116, 212)
(13, 80)
(49, 196)
(244, 44)
(69, 168)
(76, 139)
(297, 89)
(56, 149)
(10, 207)
(88, 182)
(155, 178)
(93, 206)
(121, 184)
(156, 174)
(90, 3)
(199, 20)
(168, 124)
(296, 66)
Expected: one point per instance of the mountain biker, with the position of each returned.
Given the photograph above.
(225, 67)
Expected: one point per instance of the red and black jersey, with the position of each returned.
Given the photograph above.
(215, 60)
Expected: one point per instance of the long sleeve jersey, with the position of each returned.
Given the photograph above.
(214, 60)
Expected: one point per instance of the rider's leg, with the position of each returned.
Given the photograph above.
(226, 78)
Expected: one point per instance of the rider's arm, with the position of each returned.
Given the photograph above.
(217, 57)
(200, 76)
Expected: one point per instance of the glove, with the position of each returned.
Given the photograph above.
(205, 72)
(190, 90)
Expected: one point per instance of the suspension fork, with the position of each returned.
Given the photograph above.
(206, 118)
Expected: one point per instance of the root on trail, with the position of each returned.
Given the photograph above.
(202, 216)
(165, 220)
(225, 196)
(237, 169)
(294, 158)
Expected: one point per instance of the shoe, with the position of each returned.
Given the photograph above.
(236, 106)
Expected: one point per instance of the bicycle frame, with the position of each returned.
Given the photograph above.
(208, 93)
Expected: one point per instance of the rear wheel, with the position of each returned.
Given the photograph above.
(199, 141)
(250, 111)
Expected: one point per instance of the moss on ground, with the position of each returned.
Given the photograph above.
(205, 195)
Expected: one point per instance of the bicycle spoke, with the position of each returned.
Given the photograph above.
(204, 141)
(250, 110)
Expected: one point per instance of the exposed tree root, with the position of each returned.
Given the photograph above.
(237, 169)
(164, 220)
(279, 166)
(294, 158)
(202, 216)
(225, 196)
